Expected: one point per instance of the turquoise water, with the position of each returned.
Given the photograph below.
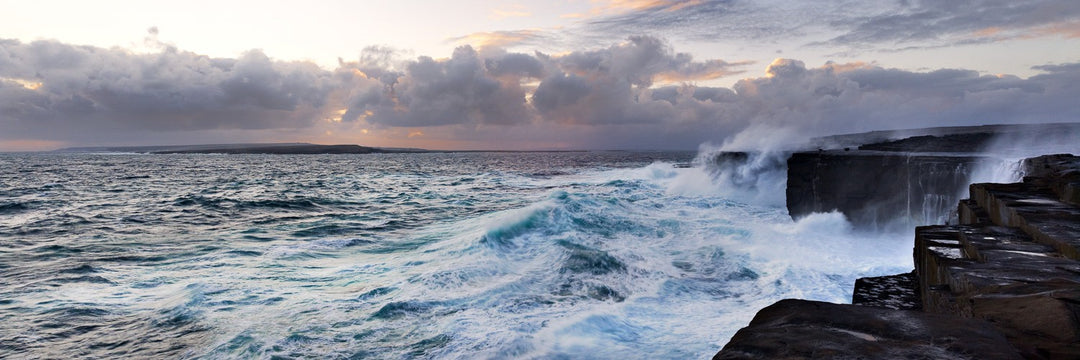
(606, 255)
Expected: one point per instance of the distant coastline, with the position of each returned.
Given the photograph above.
(257, 148)
(289, 148)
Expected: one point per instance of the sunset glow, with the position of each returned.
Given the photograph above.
(512, 75)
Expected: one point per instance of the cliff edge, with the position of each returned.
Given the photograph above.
(1003, 283)
(899, 180)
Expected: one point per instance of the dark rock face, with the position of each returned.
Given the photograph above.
(878, 189)
(800, 329)
(901, 179)
(1059, 173)
(1002, 283)
(891, 292)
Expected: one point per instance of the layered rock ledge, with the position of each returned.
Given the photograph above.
(1006, 277)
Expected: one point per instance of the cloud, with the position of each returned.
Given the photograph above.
(639, 93)
(463, 89)
(729, 19)
(90, 90)
(644, 59)
(1059, 68)
(603, 7)
(832, 100)
(612, 85)
(1065, 29)
(957, 22)
(607, 85)
(503, 39)
(844, 24)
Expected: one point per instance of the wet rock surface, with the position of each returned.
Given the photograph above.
(891, 292)
(879, 190)
(1059, 173)
(901, 179)
(802, 329)
(1012, 261)
(1006, 277)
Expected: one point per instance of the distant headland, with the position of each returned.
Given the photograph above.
(273, 148)
(255, 148)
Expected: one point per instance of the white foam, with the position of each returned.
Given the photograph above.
(696, 266)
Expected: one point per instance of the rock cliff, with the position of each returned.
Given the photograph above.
(879, 189)
(1002, 283)
(1013, 260)
(898, 180)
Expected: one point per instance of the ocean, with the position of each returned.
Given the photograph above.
(547, 255)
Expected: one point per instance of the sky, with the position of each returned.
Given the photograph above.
(525, 75)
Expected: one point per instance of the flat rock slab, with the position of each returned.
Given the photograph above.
(1060, 173)
(898, 292)
(1034, 210)
(803, 329)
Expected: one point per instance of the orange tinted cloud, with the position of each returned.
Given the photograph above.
(623, 5)
(497, 38)
(669, 77)
(603, 7)
(1070, 30)
(1065, 29)
(846, 67)
(28, 84)
(988, 32)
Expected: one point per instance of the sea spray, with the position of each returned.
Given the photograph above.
(581, 255)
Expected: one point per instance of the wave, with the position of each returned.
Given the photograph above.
(296, 203)
(653, 261)
(630, 261)
(13, 208)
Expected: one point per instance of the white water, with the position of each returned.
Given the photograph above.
(695, 267)
(332, 259)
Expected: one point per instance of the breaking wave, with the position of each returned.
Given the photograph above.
(651, 259)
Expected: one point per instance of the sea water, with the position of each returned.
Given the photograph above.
(605, 255)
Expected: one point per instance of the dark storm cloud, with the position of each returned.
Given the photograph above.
(611, 85)
(84, 87)
(851, 98)
(643, 59)
(462, 89)
(597, 86)
(793, 102)
(628, 95)
(520, 65)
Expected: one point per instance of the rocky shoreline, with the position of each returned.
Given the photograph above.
(1000, 281)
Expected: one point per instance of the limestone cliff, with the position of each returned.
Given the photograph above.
(891, 180)
(877, 189)
(1003, 283)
